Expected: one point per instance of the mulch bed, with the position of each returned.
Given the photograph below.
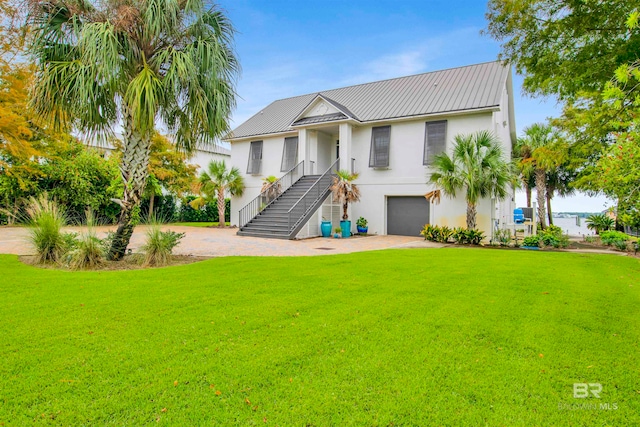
(129, 262)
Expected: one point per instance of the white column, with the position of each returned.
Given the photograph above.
(345, 146)
(303, 149)
(312, 152)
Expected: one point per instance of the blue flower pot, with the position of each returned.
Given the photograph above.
(346, 228)
(362, 230)
(325, 228)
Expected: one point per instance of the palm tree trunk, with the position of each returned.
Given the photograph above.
(549, 215)
(528, 191)
(221, 208)
(345, 207)
(133, 170)
(151, 200)
(541, 187)
(471, 216)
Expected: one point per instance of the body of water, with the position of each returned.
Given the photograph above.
(570, 227)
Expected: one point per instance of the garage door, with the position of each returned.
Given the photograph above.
(406, 215)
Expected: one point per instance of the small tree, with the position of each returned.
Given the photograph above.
(345, 191)
(215, 183)
(476, 166)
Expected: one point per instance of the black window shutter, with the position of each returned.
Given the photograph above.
(289, 154)
(255, 158)
(380, 142)
(435, 140)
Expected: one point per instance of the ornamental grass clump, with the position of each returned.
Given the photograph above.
(46, 219)
(158, 248)
(89, 250)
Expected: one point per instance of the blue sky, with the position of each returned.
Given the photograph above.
(290, 48)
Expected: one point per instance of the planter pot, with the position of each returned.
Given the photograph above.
(346, 228)
(336, 236)
(325, 228)
(362, 230)
(531, 248)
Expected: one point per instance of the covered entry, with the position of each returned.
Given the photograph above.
(406, 215)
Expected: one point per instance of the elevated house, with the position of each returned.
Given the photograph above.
(387, 131)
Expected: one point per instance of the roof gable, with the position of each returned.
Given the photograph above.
(456, 89)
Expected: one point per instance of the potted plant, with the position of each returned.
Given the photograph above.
(325, 228)
(337, 232)
(361, 223)
(345, 192)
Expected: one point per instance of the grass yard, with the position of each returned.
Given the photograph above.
(398, 337)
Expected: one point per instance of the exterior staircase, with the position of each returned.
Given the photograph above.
(285, 215)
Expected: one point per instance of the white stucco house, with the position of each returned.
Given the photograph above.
(387, 131)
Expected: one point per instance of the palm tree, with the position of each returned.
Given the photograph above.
(546, 153)
(271, 188)
(525, 171)
(216, 183)
(136, 64)
(344, 190)
(558, 182)
(476, 166)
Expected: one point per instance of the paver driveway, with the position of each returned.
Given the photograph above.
(214, 242)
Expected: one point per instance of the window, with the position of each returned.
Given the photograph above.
(255, 158)
(435, 138)
(380, 138)
(289, 154)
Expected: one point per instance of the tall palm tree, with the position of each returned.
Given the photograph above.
(558, 182)
(136, 64)
(344, 190)
(546, 153)
(477, 166)
(525, 171)
(217, 182)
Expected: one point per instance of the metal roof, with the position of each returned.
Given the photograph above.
(455, 89)
(320, 119)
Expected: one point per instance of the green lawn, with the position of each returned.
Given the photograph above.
(400, 337)
(197, 224)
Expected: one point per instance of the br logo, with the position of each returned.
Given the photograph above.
(582, 390)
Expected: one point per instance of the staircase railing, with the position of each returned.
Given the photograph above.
(271, 193)
(309, 198)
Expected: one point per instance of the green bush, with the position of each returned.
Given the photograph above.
(435, 233)
(159, 245)
(600, 223)
(474, 236)
(502, 236)
(164, 207)
(209, 213)
(88, 250)
(621, 245)
(531, 241)
(553, 237)
(611, 237)
(46, 219)
(464, 236)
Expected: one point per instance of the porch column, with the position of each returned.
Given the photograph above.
(345, 146)
(303, 150)
(345, 157)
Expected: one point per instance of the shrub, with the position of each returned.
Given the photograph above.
(435, 233)
(474, 236)
(208, 213)
(159, 245)
(553, 237)
(531, 241)
(611, 237)
(590, 239)
(459, 235)
(620, 245)
(89, 250)
(46, 219)
(502, 236)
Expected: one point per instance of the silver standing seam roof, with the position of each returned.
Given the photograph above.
(455, 89)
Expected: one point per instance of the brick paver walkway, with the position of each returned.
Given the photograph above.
(214, 242)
